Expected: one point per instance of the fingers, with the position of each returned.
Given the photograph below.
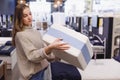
(60, 45)
(59, 39)
(63, 46)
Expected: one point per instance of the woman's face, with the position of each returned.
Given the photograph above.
(27, 17)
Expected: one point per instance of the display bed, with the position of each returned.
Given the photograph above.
(101, 69)
(7, 49)
(2, 70)
(11, 60)
(3, 40)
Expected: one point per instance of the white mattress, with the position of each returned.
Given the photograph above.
(3, 40)
(11, 60)
(102, 69)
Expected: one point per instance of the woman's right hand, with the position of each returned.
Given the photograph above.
(58, 45)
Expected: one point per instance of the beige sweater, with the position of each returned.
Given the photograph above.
(31, 56)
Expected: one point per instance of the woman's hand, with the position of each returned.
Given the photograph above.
(58, 45)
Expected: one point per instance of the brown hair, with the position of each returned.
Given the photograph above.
(18, 23)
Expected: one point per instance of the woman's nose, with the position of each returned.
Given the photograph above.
(29, 17)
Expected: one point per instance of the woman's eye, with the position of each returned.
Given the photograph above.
(24, 16)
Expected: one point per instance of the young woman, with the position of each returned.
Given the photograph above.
(32, 53)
